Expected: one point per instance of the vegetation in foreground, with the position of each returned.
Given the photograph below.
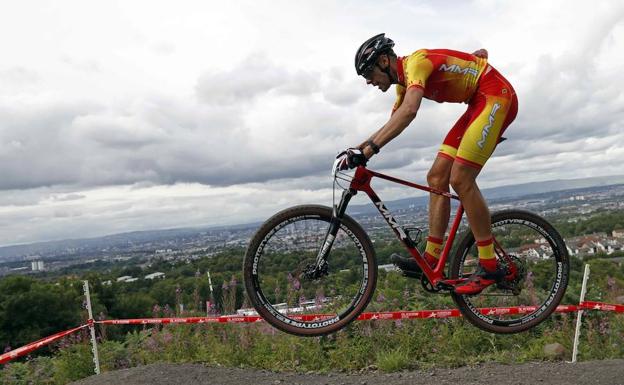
(31, 308)
(370, 345)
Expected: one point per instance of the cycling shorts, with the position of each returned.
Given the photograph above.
(491, 109)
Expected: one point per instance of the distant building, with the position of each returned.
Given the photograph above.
(155, 275)
(125, 278)
(37, 266)
(389, 267)
(618, 233)
(592, 244)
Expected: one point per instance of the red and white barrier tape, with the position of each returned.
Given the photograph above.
(394, 315)
(13, 354)
(591, 305)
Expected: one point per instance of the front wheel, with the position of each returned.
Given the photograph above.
(542, 268)
(285, 287)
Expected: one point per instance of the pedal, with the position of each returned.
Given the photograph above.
(408, 266)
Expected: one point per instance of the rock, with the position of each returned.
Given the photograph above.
(555, 350)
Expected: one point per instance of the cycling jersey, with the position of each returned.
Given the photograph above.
(444, 75)
(457, 77)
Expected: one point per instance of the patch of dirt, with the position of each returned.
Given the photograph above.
(608, 372)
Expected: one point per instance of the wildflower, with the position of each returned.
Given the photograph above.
(406, 293)
(319, 298)
(152, 345)
(611, 283)
(166, 337)
(603, 326)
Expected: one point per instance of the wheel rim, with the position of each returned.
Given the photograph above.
(541, 275)
(289, 295)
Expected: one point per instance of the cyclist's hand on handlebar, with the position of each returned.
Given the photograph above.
(350, 158)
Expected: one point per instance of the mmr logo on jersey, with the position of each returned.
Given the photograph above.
(459, 70)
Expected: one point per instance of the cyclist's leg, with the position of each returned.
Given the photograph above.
(494, 108)
(438, 178)
(477, 145)
(495, 112)
(439, 206)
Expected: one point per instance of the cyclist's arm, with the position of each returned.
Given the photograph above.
(400, 90)
(372, 137)
(399, 120)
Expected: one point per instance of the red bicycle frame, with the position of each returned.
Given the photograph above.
(361, 182)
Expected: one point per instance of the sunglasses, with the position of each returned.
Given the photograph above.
(368, 72)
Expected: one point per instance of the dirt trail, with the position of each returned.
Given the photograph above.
(608, 372)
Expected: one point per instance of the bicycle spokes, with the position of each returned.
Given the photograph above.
(305, 269)
(531, 260)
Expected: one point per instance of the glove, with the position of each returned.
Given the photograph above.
(350, 158)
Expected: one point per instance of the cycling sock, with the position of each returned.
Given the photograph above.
(433, 250)
(487, 259)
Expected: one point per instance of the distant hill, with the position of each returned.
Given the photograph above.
(126, 240)
(518, 190)
(121, 241)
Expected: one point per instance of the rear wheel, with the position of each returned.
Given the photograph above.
(542, 262)
(283, 284)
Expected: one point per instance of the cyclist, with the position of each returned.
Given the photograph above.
(451, 76)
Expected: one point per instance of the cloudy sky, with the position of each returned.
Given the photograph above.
(130, 115)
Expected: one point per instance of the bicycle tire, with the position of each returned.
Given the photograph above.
(557, 290)
(253, 257)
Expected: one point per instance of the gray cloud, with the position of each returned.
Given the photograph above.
(239, 138)
(34, 149)
(67, 197)
(264, 128)
(18, 78)
(253, 77)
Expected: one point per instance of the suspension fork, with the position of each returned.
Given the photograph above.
(337, 215)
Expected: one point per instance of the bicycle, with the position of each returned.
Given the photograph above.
(310, 270)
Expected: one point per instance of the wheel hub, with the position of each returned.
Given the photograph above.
(313, 272)
(515, 284)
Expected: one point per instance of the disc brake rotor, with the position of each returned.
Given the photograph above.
(515, 285)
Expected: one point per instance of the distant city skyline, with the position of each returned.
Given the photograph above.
(585, 207)
(126, 116)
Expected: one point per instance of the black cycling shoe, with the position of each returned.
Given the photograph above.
(408, 265)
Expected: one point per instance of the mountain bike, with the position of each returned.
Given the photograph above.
(310, 270)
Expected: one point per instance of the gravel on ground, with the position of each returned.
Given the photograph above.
(607, 372)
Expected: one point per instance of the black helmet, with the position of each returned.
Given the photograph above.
(367, 54)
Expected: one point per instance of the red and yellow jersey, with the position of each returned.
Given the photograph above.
(444, 75)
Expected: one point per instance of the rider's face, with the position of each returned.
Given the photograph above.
(377, 78)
